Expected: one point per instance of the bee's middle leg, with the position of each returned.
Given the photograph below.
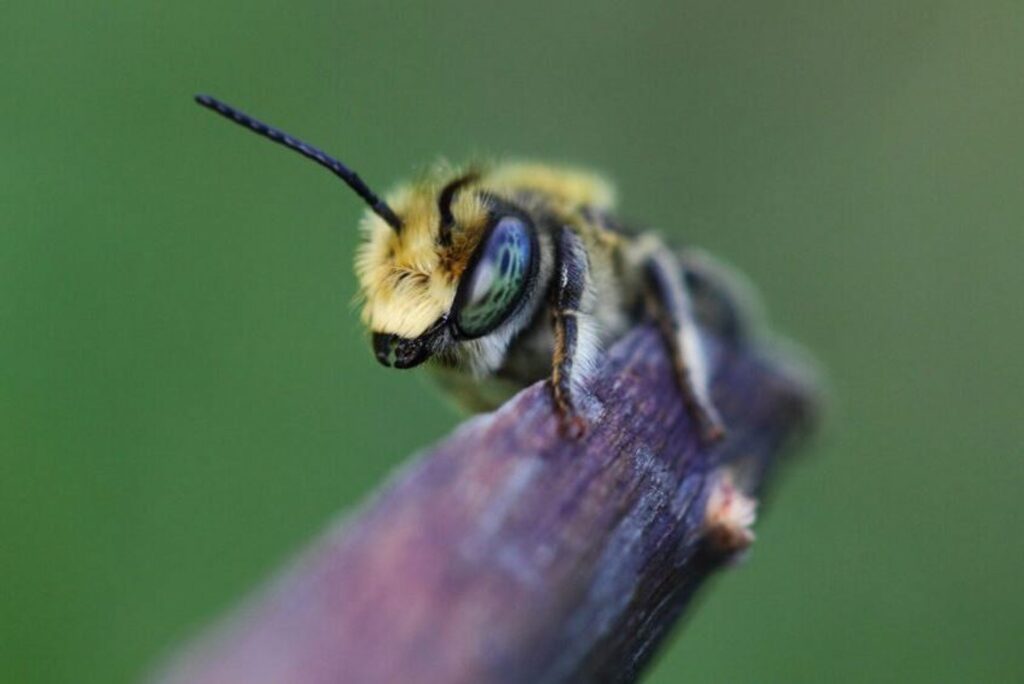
(671, 304)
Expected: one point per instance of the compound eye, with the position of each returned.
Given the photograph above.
(495, 283)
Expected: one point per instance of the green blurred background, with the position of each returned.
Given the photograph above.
(186, 394)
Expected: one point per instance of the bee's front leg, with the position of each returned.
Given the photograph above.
(573, 343)
(671, 305)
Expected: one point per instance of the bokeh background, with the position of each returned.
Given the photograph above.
(186, 394)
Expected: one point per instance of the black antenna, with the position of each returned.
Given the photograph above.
(376, 204)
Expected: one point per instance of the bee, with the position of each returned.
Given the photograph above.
(499, 276)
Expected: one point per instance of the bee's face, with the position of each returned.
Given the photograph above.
(446, 261)
(457, 271)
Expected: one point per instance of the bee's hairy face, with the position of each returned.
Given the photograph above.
(459, 269)
(448, 268)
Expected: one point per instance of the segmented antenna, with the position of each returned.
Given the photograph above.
(352, 180)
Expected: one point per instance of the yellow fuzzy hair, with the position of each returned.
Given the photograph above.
(408, 280)
(566, 188)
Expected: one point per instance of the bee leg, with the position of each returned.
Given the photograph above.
(671, 305)
(572, 343)
(723, 299)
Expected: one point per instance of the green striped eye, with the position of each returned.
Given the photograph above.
(495, 283)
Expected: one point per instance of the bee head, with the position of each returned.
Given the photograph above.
(443, 260)
(457, 270)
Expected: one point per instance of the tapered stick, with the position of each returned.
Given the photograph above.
(508, 553)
